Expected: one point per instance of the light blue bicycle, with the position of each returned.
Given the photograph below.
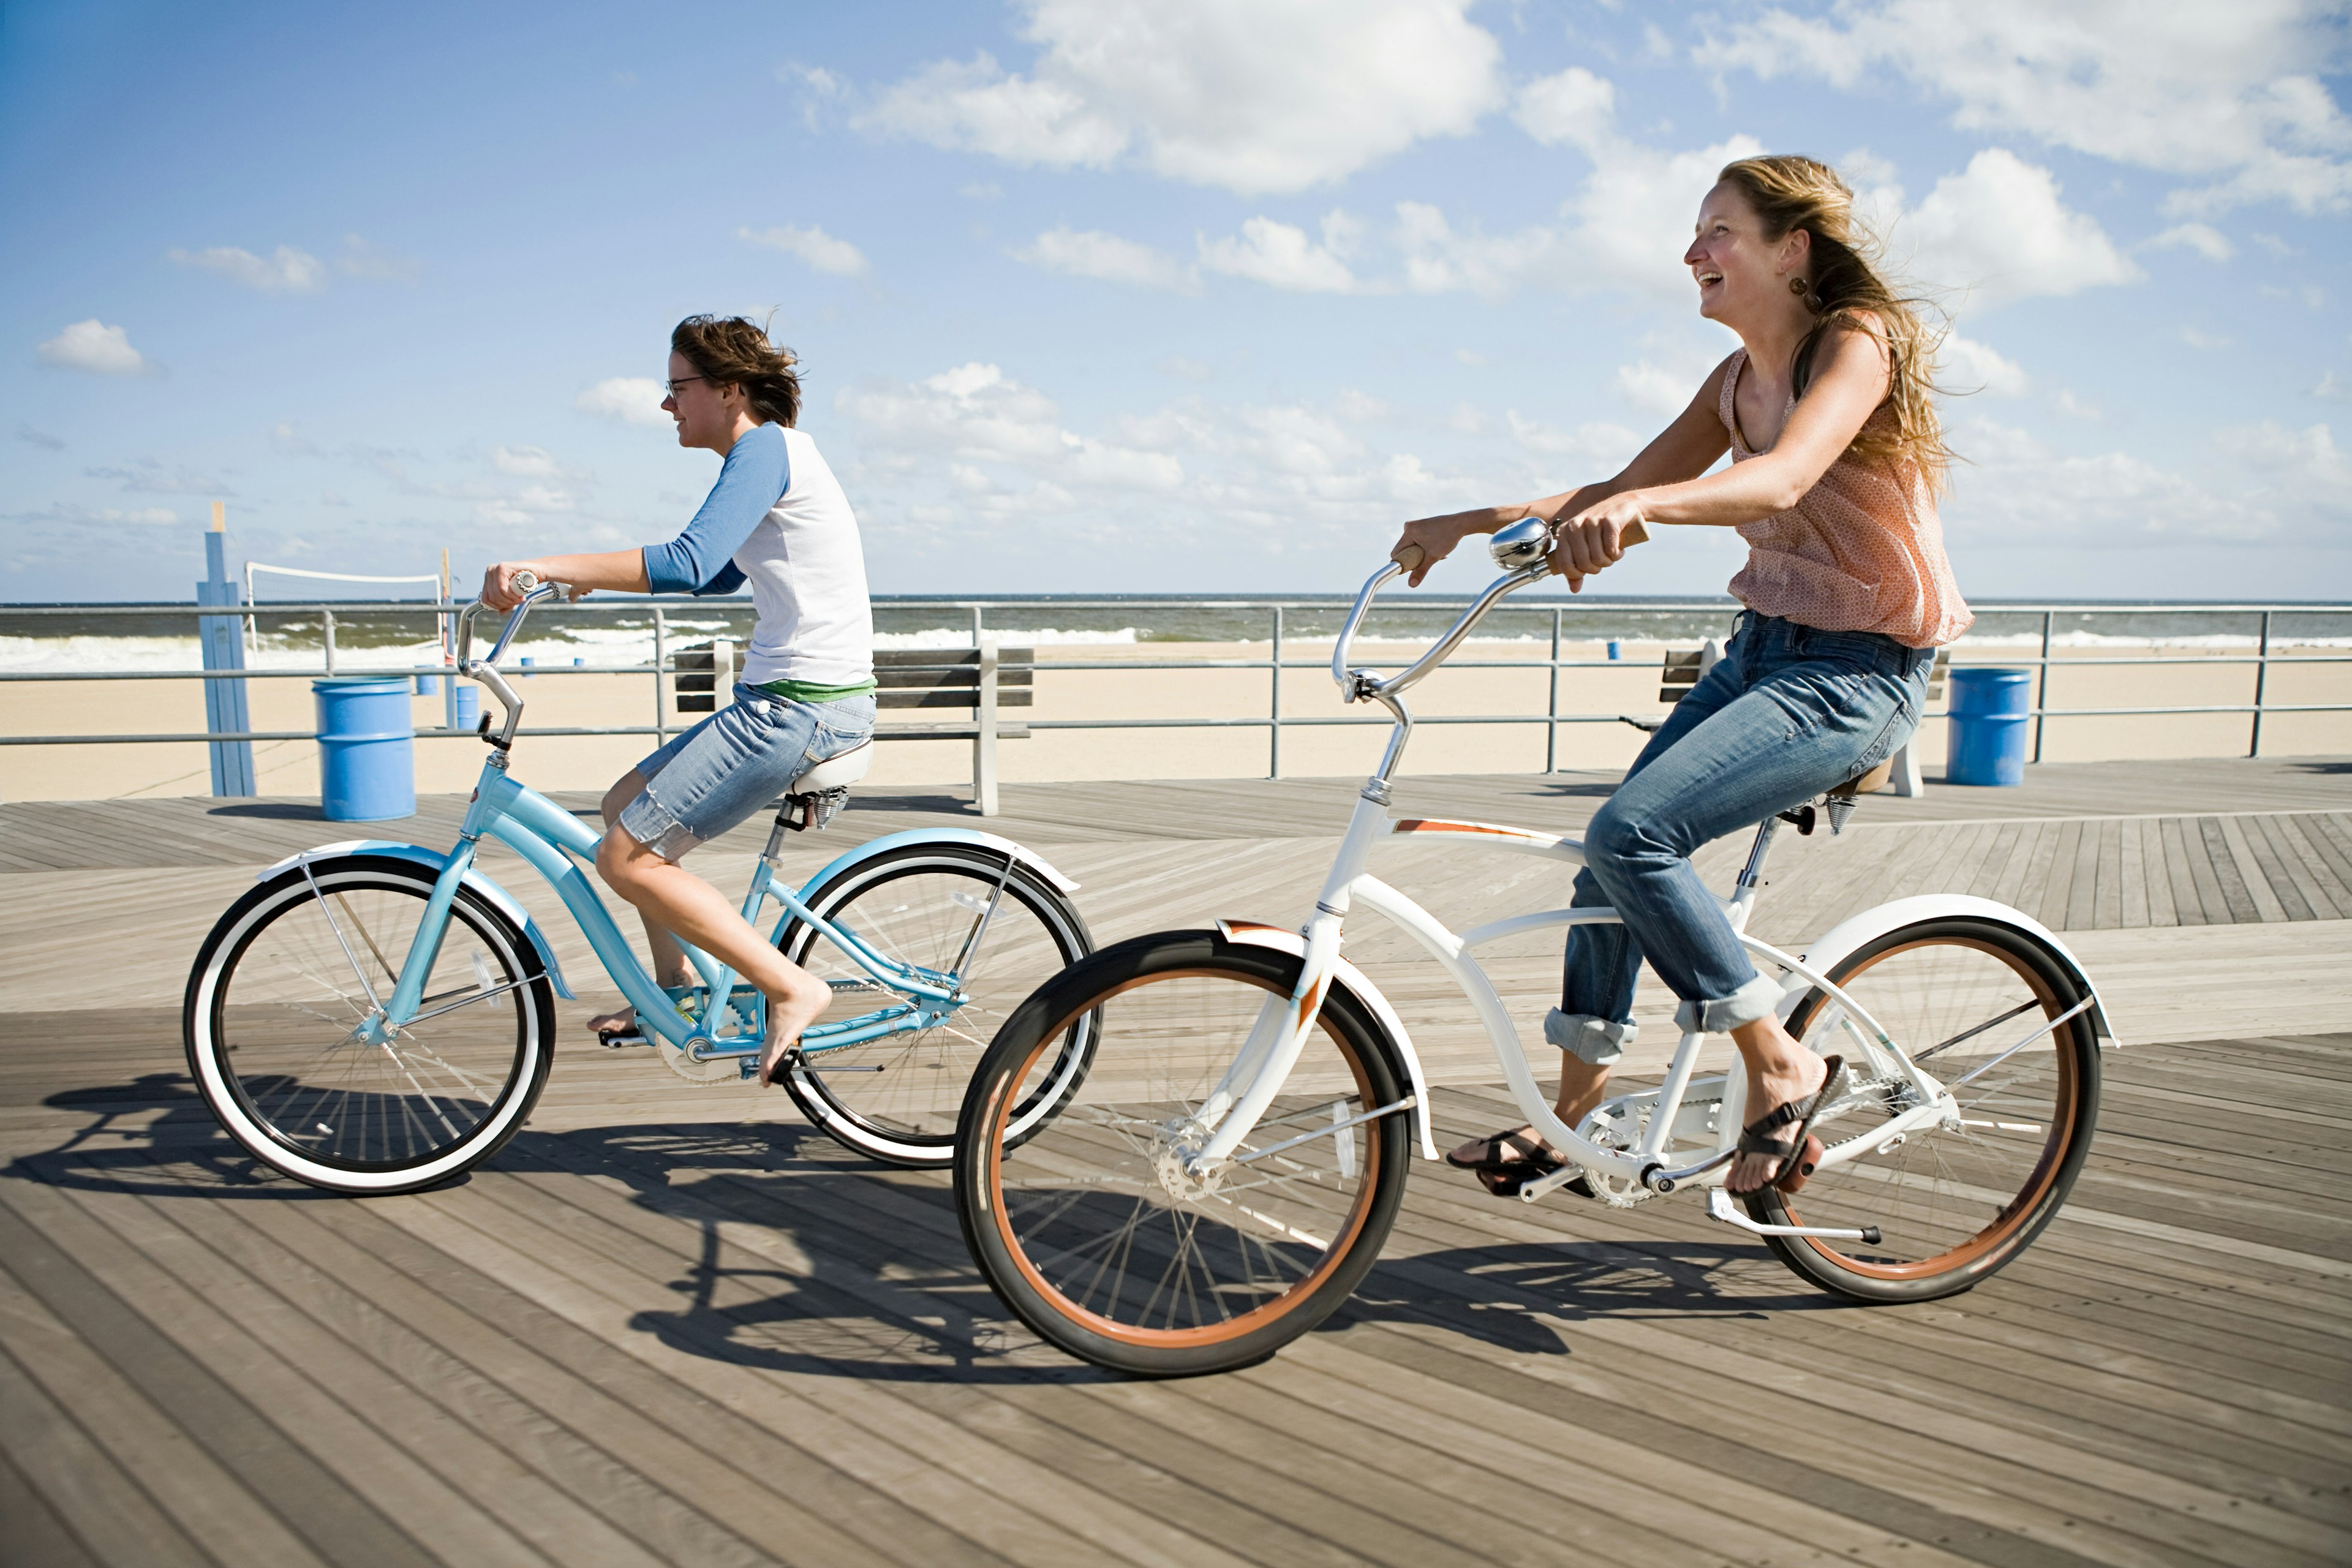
(376, 1017)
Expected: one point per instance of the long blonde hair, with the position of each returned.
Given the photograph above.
(1844, 286)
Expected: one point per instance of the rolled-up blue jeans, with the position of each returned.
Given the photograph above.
(1787, 712)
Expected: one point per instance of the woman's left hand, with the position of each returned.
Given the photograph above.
(1594, 538)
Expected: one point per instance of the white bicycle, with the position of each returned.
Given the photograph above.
(1229, 1169)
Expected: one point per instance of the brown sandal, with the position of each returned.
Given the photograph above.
(1801, 1153)
(1507, 1161)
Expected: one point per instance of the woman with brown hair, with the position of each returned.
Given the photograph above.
(776, 519)
(1837, 457)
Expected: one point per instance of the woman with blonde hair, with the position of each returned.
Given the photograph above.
(1837, 460)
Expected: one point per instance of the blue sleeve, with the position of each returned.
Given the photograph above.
(757, 473)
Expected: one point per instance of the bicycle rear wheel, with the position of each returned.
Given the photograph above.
(1971, 1001)
(1095, 1234)
(271, 1025)
(936, 907)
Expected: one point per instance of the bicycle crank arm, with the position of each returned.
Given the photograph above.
(1718, 1206)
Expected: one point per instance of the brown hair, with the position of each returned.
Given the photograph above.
(731, 351)
(1845, 288)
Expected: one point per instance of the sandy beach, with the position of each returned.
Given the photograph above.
(557, 697)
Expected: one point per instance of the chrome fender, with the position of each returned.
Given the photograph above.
(433, 860)
(1832, 946)
(1357, 981)
(1001, 845)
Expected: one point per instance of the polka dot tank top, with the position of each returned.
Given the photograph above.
(1863, 551)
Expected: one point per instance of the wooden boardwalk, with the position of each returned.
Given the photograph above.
(675, 1326)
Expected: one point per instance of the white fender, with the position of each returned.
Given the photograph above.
(1357, 981)
(434, 861)
(1827, 950)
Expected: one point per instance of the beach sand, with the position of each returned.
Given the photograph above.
(555, 697)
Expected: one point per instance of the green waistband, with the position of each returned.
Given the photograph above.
(809, 691)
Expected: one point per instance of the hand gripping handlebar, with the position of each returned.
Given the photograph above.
(534, 592)
(1523, 550)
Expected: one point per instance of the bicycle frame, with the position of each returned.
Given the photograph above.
(1231, 1112)
(552, 841)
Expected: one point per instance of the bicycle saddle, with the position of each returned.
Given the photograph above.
(810, 799)
(836, 773)
(1839, 802)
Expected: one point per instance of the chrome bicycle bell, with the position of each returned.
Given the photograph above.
(1522, 544)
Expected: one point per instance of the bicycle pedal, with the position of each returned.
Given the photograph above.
(614, 1041)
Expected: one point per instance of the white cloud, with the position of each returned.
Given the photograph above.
(976, 414)
(543, 498)
(2075, 407)
(812, 245)
(1279, 255)
(1969, 366)
(1655, 388)
(1601, 445)
(41, 438)
(1233, 93)
(632, 399)
(2264, 484)
(2202, 340)
(1091, 253)
(530, 462)
(1439, 258)
(2330, 388)
(1998, 229)
(1632, 220)
(2230, 94)
(283, 271)
(94, 346)
(2203, 238)
(66, 512)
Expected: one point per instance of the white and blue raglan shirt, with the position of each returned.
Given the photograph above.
(778, 520)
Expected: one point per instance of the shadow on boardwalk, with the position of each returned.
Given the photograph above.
(935, 1320)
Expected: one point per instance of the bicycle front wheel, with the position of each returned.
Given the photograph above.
(948, 908)
(1096, 1234)
(273, 1027)
(1972, 1002)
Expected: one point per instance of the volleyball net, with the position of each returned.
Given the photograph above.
(437, 583)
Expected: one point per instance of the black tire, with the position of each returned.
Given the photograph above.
(1953, 1205)
(1070, 1227)
(896, 1099)
(270, 1022)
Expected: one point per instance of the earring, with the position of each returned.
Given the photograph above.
(1797, 286)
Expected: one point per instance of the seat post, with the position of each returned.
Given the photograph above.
(1751, 875)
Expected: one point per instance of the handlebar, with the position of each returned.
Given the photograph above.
(1524, 548)
(535, 593)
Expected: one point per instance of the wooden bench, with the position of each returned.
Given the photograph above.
(983, 680)
(1682, 669)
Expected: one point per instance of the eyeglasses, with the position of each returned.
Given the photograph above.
(671, 385)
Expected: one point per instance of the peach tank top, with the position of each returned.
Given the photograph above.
(1863, 551)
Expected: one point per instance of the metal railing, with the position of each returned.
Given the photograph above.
(1558, 613)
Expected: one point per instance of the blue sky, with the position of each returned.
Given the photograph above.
(1115, 297)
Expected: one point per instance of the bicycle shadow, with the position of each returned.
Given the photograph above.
(1515, 1298)
(808, 1261)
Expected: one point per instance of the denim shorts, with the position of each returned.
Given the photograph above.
(715, 775)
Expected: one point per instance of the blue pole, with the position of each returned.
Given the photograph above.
(222, 638)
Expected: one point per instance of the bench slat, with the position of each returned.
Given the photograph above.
(1007, 697)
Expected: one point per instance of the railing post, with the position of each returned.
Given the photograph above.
(2042, 684)
(661, 661)
(2262, 678)
(983, 741)
(1551, 710)
(1274, 708)
(221, 639)
(327, 624)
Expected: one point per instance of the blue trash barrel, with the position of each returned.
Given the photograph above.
(428, 685)
(1616, 650)
(469, 703)
(1989, 717)
(367, 748)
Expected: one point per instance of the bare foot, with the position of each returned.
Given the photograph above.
(1785, 1082)
(623, 1022)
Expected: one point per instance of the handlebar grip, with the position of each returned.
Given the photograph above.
(1409, 557)
(524, 581)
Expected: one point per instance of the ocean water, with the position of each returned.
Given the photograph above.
(621, 634)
